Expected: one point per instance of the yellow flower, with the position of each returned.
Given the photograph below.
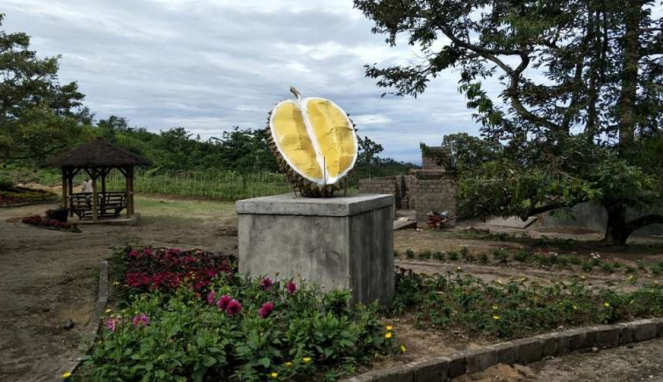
(496, 318)
(606, 304)
(499, 282)
(66, 375)
(575, 307)
(109, 310)
(582, 277)
(403, 349)
(389, 327)
(388, 335)
(274, 374)
(494, 307)
(287, 364)
(116, 282)
(307, 359)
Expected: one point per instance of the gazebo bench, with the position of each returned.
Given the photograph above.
(108, 204)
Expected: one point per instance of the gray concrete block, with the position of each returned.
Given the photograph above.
(607, 336)
(578, 339)
(395, 374)
(553, 344)
(626, 334)
(480, 360)
(529, 350)
(645, 330)
(506, 353)
(457, 365)
(659, 327)
(339, 243)
(434, 370)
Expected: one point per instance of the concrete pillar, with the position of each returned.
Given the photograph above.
(339, 242)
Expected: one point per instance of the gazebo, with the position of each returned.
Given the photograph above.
(97, 158)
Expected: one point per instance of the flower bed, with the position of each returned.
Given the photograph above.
(20, 195)
(516, 308)
(38, 221)
(200, 326)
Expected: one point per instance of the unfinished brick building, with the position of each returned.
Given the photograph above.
(422, 190)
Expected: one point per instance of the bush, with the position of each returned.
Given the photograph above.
(575, 260)
(500, 255)
(453, 256)
(587, 266)
(409, 254)
(521, 256)
(6, 184)
(396, 254)
(438, 255)
(607, 267)
(425, 254)
(483, 258)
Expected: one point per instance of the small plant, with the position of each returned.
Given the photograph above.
(483, 258)
(656, 269)
(409, 254)
(596, 262)
(453, 256)
(642, 265)
(464, 252)
(426, 254)
(630, 269)
(521, 256)
(501, 255)
(587, 266)
(396, 254)
(438, 255)
(607, 267)
(563, 260)
(575, 260)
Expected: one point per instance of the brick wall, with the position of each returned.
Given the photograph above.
(385, 185)
(432, 195)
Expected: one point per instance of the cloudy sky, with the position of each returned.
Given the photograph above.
(208, 65)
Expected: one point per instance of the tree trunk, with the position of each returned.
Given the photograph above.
(618, 230)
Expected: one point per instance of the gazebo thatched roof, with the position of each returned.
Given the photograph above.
(98, 153)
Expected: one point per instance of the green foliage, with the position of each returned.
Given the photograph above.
(426, 254)
(578, 118)
(500, 255)
(6, 184)
(521, 256)
(409, 254)
(453, 256)
(516, 308)
(483, 258)
(439, 255)
(187, 339)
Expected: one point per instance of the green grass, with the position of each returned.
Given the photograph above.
(176, 211)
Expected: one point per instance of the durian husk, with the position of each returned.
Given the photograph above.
(300, 184)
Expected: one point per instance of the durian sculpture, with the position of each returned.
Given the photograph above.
(314, 142)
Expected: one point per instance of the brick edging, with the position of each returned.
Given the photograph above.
(89, 335)
(523, 352)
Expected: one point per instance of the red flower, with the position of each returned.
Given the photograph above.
(291, 287)
(234, 307)
(224, 301)
(266, 283)
(141, 319)
(134, 254)
(266, 309)
(211, 298)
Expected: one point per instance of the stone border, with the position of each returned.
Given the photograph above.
(523, 352)
(89, 335)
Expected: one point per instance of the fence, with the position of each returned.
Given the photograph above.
(212, 184)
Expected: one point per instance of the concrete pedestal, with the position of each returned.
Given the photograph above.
(340, 242)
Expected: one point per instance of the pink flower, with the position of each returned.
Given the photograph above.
(291, 287)
(110, 324)
(211, 298)
(148, 251)
(224, 301)
(266, 283)
(233, 308)
(134, 254)
(141, 319)
(266, 309)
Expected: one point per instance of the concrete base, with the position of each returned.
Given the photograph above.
(121, 220)
(338, 243)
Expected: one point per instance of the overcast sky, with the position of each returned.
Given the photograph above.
(208, 65)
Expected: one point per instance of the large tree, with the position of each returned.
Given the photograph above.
(579, 113)
(38, 115)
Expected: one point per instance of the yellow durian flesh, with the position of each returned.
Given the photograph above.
(315, 144)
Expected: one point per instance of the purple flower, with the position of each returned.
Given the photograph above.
(211, 298)
(224, 301)
(233, 308)
(266, 309)
(148, 251)
(141, 319)
(266, 283)
(110, 324)
(291, 287)
(134, 254)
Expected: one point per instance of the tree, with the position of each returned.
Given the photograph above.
(368, 151)
(38, 116)
(579, 115)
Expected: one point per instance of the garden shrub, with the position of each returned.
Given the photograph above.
(438, 255)
(483, 258)
(521, 256)
(234, 329)
(587, 266)
(6, 184)
(426, 254)
(409, 254)
(453, 256)
(500, 255)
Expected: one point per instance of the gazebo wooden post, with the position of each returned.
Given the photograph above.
(129, 182)
(95, 202)
(65, 186)
(70, 185)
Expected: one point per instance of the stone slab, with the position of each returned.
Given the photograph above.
(290, 204)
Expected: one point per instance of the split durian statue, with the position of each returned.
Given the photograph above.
(314, 142)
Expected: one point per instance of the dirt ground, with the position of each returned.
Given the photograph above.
(49, 276)
(638, 363)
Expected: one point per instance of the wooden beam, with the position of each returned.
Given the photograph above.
(70, 181)
(64, 186)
